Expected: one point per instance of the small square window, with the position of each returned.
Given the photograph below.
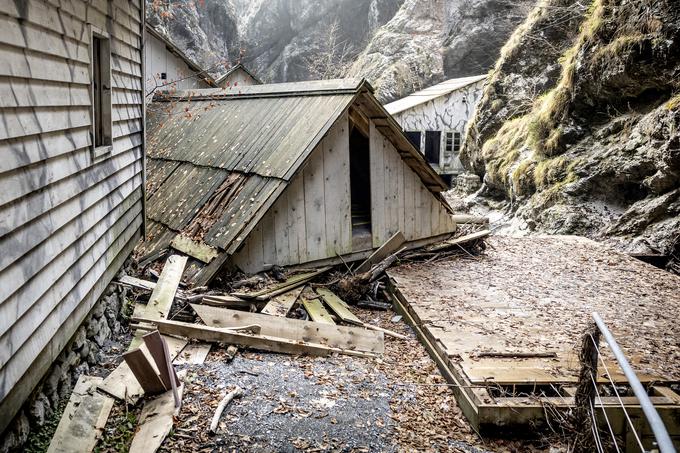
(100, 46)
(452, 142)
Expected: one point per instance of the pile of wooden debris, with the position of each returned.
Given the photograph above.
(302, 312)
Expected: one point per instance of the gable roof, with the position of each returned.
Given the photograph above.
(244, 145)
(173, 49)
(234, 69)
(433, 92)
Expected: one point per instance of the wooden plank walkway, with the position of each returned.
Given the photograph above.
(511, 320)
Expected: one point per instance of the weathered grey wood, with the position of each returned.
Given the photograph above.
(378, 222)
(164, 293)
(261, 342)
(338, 306)
(316, 311)
(83, 419)
(342, 337)
(155, 422)
(198, 250)
(315, 223)
(281, 305)
(138, 283)
(459, 241)
(193, 354)
(392, 245)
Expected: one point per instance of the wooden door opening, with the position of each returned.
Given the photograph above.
(360, 189)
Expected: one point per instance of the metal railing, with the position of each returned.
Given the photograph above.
(586, 394)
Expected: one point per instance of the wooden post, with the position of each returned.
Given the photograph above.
(585, 391)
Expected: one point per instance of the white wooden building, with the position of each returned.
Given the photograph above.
(434, 119)
(167, 66)
(237, 75)
(71, 172)
(286, 174)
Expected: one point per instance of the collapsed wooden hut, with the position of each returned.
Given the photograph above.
(284, 174)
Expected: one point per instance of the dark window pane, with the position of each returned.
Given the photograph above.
(414, 138)
(432, 142)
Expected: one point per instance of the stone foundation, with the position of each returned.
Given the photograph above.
(82, 352)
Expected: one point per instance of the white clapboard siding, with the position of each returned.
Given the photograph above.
(68, 220)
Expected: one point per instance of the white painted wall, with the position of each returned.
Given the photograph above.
(445, 113)
(158, 60)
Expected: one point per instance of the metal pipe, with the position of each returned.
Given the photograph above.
(663, 440)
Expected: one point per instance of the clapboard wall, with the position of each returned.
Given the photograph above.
(159, 59)
(68, 219)
(311, 219)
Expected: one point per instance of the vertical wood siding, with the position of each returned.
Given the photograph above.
(311, 220)
(67, 220)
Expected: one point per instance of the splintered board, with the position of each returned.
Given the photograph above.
(281, 305)
(316, 311)
(342, 337)
(506, 327)
(83, 419)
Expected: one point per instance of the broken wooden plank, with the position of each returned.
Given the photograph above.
(316, 311)
(220, 407)
(83, 419)
(154, 343)
(458, 241)
(281, 305)
(138, 283)
(155, 422)
(199, 250)
(464, 219)
(261, 342)
(342, 337)
(338, 306)
(392, 245)
(225, 301)
(291, 283)
(193, 354)
(122, 384)
(164, 293)
(143, 371)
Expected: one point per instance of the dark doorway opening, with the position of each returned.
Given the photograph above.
(432, 144)
(414, 138)
(360, 189)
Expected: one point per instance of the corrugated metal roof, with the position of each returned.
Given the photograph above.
(433, 92)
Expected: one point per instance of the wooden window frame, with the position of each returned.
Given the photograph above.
(449, 141)
(105, 145)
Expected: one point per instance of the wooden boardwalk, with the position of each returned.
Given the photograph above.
(506, 326)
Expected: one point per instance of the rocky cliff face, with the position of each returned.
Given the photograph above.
(578, 129)
(399, 45)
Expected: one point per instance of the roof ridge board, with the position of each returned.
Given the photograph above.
(237, 96)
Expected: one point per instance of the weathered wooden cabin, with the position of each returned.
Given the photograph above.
(285, 174)
(71, 172)
(168, 66)
(435, 119)
(238, 75)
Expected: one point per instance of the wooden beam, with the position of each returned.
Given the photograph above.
(289, 284)
(143, 371)
(338, 306)
(199, 250)
(316, 311)
(392, 245)
(463, 219)
(138, 283)
(341, 337)
(83, 419)
(163, 294)
(281, 305)
(261, 342)
(155, 422)
(458, 241)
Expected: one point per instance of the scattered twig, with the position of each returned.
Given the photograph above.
(223, 404)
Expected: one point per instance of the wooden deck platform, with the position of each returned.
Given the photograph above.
(505, 327)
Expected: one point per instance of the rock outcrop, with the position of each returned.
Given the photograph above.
(399, 45)
(578, 129)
